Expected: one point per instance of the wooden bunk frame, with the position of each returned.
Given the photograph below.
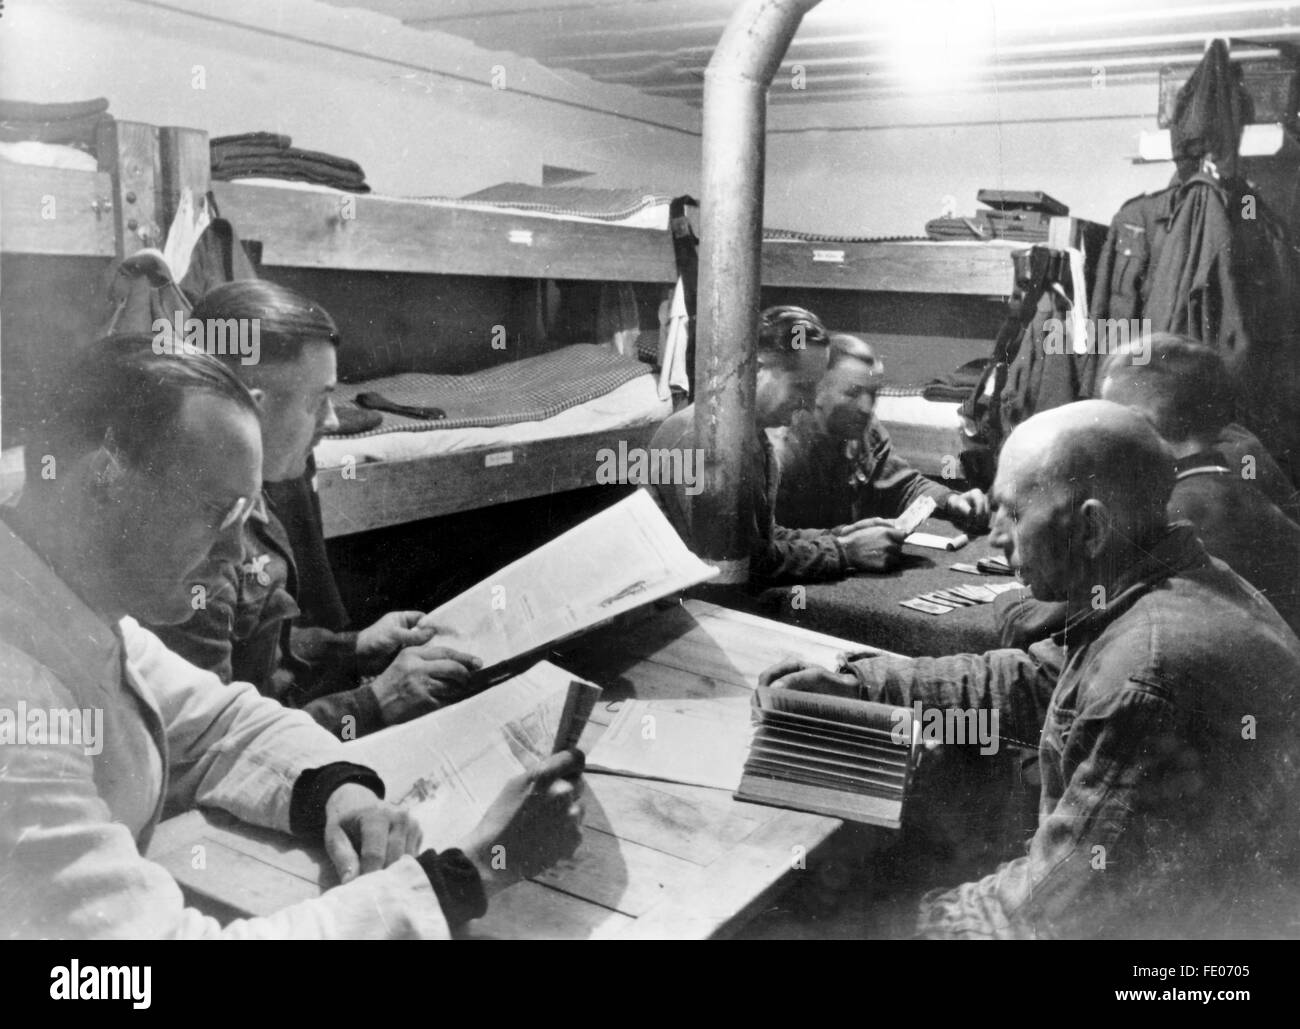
(128, 203)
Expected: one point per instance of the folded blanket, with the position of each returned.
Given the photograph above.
(75, 110)
(246, 152)
(263, 138)
(820, 237)
(578, 201)
(272, 155)
(957, 384)
(296, 171)
(531, 389)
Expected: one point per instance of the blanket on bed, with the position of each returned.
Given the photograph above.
(527, 390)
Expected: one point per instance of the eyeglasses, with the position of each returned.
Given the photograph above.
(238, 514)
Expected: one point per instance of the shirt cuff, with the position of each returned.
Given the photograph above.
(314, 788)
(457, 885)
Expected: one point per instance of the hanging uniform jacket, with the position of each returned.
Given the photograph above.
(1035, 365)
(138, 292)
(1208, 259)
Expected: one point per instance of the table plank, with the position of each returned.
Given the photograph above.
(618, 874)
(697, 826)
(716, 899)
(529, 911)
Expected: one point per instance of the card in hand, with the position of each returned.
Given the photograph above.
(917, 511)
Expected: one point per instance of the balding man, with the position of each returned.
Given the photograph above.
(1184, 390)
(837, 464)
(1168, 747)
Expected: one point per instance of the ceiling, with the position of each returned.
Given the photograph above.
(851, 49)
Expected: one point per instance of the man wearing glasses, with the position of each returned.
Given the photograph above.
(246, 623)
(142, 466)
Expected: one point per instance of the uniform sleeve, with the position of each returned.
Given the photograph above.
(1021, 619)
(319, 675)
(797, 555)
(894, 484)
(1067, 885)
(1017, 684)
(72, 871)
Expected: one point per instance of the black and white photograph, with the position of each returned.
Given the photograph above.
(764, 470)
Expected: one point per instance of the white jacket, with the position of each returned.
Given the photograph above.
(77, 811)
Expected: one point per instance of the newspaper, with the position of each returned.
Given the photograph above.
(450, 765)
(699, 742)
(625, 556)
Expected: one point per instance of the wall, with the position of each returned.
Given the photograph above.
(416, 109)
(885, 168)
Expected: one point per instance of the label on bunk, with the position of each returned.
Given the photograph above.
(828, 256)
(522, 236)
(498, 457)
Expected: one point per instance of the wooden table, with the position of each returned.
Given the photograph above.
(658, 860)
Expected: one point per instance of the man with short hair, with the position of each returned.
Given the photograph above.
(145, 463)
(244, 626)
(1169, 752)
(791, 358)
(1183, 389)
(837, 464)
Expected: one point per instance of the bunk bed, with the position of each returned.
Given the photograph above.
(119, 207)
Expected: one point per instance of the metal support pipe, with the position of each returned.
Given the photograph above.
(731, 240)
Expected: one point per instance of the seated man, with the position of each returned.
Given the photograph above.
(791, 358)
(243, 628)
(1248, 457)
(1185, 392)
(145, 462)
(837, 464)
(1169, 752)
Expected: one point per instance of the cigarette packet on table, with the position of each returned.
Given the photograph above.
(937, 542)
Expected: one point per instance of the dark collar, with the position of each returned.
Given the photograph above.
(1202, 462)
(1177, 549)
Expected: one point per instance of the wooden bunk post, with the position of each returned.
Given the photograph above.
(731, 240)
(184, 164)
(128, 150)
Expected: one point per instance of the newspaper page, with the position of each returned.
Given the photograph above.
(623, 557)
(450, 765)
(698, 742)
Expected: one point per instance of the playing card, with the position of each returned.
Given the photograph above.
(982, 594)
(917, 511)
(947, 597)
(926, 606)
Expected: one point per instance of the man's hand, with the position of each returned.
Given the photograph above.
(806, 677)
(397, 629)
(875, 549)
(968, 511)
(865, 523)
(364, 834)
(535, 821)
(423, 679)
